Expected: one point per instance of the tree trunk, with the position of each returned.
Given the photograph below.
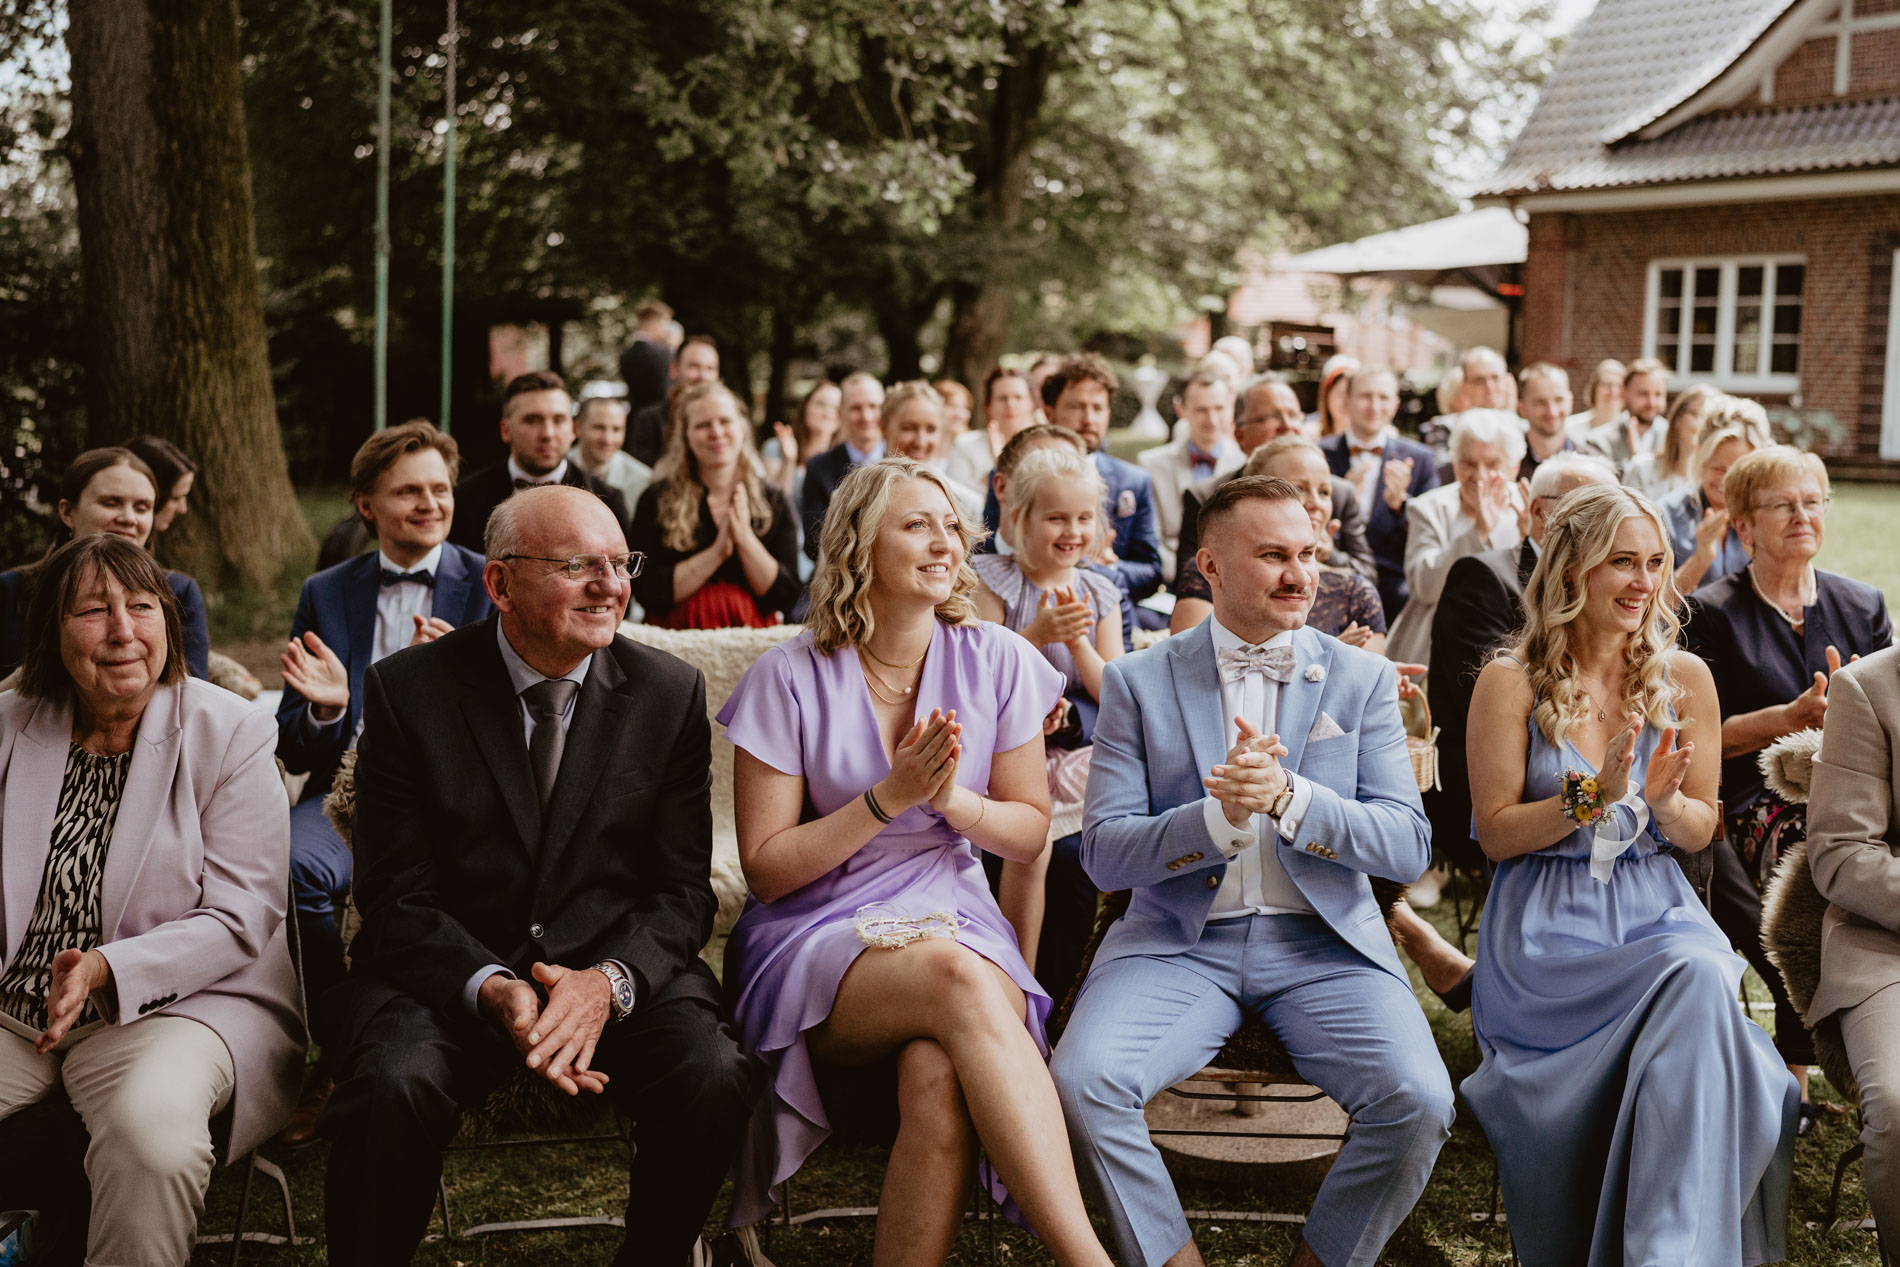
(777, 387)
(174, 320)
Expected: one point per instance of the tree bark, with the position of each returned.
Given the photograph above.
(173, 317)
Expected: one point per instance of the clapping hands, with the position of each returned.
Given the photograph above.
(924, 767)
(1061, 617)
(1251, 778)
(312, 670)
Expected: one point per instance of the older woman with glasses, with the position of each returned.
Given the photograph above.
(145, 971)
(1771, 634)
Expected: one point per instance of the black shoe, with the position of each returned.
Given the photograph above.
(1458, 999)
(1805, 1122)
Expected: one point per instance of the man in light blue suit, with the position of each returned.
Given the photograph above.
(1248, 776)
(413, 588)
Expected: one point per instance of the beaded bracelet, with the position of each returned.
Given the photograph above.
(1581, 796)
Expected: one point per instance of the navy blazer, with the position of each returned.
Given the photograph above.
(191, 612)
(339, 604)
(1385, 528)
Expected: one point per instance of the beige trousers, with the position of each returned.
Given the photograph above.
(147, 1092)
(1871, 1031)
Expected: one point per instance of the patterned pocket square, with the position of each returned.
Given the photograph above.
(1324, 728)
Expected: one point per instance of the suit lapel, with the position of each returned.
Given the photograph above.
(1197, 689)
(452, 583)
(1299, 699)
(359, 620)
(494, 719)
(599, 712)
(148, 786)
(33, 779)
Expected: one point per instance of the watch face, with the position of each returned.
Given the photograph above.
(623, 996)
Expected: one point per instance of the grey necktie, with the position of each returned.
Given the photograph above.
(546, 702)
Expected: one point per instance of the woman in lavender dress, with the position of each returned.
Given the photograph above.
(878, 751)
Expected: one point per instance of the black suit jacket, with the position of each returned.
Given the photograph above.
(1480, 610)
(646, 432)
(456, 867)
(477, 495)
(1350, 541)
(647, 369)
(823, 473)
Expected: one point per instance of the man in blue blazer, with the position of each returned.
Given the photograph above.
(413, 588)
(861, 422)
(1249, 776)
(1386, 470)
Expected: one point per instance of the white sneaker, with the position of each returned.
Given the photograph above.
(1427, 889)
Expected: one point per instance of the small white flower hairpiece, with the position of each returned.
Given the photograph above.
(1316, 673)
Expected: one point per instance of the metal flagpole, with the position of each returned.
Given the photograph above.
(382, 226)
(448, 221)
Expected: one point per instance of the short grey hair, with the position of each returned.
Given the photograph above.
(1477, 354)
(502, 535)
(1552, 472)
(1488, 426)
(1270, 378)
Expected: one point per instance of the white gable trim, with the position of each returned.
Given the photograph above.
(1704, 193)
(1746, 74)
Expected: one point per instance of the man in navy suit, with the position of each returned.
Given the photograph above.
(861, 420)
(1386, 470)
(415, 587)
(1077, 395)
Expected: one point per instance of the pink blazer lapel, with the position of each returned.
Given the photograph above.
(148, 790)
(33, 776)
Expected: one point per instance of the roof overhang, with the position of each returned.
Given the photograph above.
(1744, 76)
(1465, 247)
(1884, 180)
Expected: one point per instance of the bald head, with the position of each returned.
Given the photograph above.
(552, 616)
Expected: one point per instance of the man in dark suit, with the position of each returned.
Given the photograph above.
(1386, 471)
(1269, 410)
(1479, 612)
(537, 425)
(1078, 394)
(534, 839)
(647, 364)
(697, 361)
(861, 423)
(413, 588)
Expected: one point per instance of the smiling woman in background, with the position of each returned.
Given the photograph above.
(104, 491)
(176, 474)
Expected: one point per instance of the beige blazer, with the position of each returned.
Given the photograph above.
(196, 882)
(1854, 834)
(1171, 472)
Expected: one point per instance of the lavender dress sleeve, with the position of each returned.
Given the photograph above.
(1027, 687)
(762, 714)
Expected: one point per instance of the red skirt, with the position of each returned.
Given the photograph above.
(717, 605)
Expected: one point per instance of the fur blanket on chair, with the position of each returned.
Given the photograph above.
(1792, 909)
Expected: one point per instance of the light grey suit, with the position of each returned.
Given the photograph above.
(1854, 853)
(1168, 986)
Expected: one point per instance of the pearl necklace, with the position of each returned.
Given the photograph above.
(1808, 586)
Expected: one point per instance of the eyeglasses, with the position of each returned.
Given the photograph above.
(587, 567)
(1812, 507)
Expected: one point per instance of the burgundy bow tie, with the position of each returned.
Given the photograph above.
(1367, 450)
(1202, 461)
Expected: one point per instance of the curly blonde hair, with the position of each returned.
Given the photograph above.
(841, 587)
(682, 492)
(1581, 536)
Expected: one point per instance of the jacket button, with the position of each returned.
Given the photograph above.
(1213, 882)
(535, 931)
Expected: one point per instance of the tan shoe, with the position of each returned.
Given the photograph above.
(301, 1130)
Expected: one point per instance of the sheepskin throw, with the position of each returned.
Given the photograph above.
(1788, 764)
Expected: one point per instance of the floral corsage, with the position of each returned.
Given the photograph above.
(1582, 797)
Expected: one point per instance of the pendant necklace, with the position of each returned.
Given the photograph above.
(897, 694)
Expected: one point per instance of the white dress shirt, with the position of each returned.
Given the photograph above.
(398, 605)
(1256, 882)
(554, 476)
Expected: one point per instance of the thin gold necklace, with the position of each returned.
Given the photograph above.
(870, 676)
(901, 668)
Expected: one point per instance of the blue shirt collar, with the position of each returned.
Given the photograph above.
(524, 675)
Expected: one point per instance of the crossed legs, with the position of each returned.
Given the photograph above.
(957, 1020)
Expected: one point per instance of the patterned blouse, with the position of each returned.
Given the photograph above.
(67, 913)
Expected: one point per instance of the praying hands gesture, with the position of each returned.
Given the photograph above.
(1251, 778)
(1397, 476)
(924, 767)
(312, 670)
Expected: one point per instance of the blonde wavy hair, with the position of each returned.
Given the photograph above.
(1581, 536)
(841, 587)
(682, 491)
(1047, 468)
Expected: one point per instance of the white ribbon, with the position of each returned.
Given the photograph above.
(1605, 846)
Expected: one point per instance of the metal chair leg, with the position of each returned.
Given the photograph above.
(243, 1211)
(442, 1195)
(1848, 1158)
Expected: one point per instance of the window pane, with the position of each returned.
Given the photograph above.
(1747, 320)
(1748, 357)
(1669, 321)
(1671, 283)
(1704, 320)
(1702, 358)
(1789, 279)
(1666, 352)
(1748, 280)
(1784, 358)
(1708, 282)
(1787, 318)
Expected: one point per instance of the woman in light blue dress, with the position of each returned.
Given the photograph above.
(1637, 1114)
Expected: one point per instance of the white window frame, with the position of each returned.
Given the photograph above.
(1890, 397)
(1723, 376)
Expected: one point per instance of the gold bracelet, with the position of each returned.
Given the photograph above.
(982, 808)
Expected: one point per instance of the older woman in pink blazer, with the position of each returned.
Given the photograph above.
(144, 860)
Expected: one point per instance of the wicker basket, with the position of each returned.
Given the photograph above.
(1421, 740)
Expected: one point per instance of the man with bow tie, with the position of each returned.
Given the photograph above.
(1386, 470)
(414, 587)
(1249, 776)
(1206, 404)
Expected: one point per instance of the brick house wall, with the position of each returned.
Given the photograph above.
(1586, 275)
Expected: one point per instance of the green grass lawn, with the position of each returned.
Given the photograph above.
(591, 1179)
(1863, 529)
